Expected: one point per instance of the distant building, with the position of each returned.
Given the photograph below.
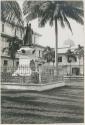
(73, 67)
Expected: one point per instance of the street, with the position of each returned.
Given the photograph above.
(59, 105)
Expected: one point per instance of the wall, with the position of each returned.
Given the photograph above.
(4, 44)
(9, 30)
(66, 68)
(9, 66)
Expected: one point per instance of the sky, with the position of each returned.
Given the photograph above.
(64, 34)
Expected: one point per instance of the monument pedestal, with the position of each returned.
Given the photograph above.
(26, 55)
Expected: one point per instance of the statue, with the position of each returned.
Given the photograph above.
(28, 36)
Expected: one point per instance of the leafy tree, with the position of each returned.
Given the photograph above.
(80, 52)
(54, 11)
(14, 45)
(70, 56)
(49, 54)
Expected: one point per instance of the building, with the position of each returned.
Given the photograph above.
(8, 32)
(73, 67)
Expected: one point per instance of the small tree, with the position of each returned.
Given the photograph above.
(70, 55)
(49, 55)
(14, 45)
(80, 52)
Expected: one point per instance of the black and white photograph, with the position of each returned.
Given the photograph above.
(42, 61)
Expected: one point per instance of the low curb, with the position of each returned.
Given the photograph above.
(34, 87)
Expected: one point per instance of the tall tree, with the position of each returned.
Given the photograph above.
(54, 11)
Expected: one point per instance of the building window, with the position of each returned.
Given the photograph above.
(75, 71)
(2, 27)
(59, 59)
(5, 62)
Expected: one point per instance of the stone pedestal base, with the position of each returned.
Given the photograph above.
(25, 55)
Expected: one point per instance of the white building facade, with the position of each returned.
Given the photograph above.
(74, 67)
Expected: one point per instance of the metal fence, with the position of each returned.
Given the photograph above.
(23, 75)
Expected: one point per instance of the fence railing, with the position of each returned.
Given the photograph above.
(24, 75)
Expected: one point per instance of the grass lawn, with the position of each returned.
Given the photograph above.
(60, 105)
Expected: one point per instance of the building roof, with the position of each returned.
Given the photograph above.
(63, 50)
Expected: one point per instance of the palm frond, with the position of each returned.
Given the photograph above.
(79, 4)
(67, 22)
(31, 9)
(11, 12)
(48, 10)
(61, 19)
(47, 14)
(51, 21)
(74, 13)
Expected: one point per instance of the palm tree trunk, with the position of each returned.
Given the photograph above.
(56, 46)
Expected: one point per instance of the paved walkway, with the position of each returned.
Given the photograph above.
(60, 105)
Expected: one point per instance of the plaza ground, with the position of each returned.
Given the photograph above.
(59, 105)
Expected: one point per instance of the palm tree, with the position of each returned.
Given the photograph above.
(80, 52)
(11, 13)
(54, 11)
